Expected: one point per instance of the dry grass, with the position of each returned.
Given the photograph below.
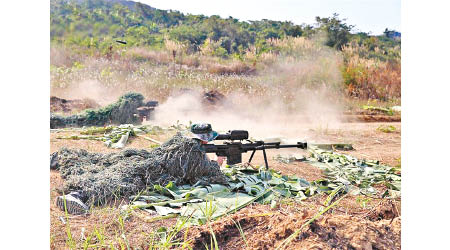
(371, 78)
(105, 227)
(360, 74)
(153, 56)
(154, 74)
(235, 67)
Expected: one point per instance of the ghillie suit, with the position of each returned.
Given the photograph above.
(101, 177)
(124, 111)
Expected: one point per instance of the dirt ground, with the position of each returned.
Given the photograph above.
(68, 106)
(355, 223)
(266, 228)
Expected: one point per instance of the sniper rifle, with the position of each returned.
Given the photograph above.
(233, 147)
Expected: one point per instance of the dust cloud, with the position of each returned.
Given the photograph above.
(91, 89)
(263, 117)
(301, 92)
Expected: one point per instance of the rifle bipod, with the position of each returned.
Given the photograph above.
(265, 158)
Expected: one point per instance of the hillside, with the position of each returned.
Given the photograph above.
(95, 23)
(369, 65)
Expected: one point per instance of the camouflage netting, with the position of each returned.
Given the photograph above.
(121, 112)
(104, 176)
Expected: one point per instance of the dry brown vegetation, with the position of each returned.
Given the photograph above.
(371, 78)
(297, 63)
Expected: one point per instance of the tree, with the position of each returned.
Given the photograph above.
(337, 30)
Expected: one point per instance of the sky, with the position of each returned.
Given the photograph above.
(368, 15)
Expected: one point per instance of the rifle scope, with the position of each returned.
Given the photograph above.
(233, 135)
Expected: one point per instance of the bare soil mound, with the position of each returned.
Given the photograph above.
(66, 106)
(213, 97)
(267, 229)
(385, 210)
(371, 116)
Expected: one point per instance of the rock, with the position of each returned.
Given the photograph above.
(396, 108)
(54, 161)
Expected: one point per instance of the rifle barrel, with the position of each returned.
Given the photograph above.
(244, 147)
(302, 145)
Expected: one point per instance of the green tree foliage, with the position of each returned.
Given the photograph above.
(337, 30)
(97, 23)
(76, 22)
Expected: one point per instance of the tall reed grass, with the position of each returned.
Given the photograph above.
(291, 63)
(370, 77)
